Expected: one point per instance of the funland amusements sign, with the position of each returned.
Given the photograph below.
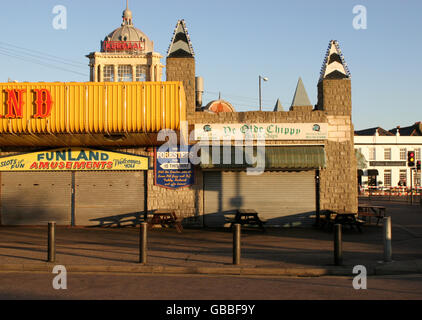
(73, 159)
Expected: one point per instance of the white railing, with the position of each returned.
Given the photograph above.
(389, 191)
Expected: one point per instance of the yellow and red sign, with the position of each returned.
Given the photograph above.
(74, 159)
(15, 102)
(91, 107)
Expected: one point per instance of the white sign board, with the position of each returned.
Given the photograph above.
(261, 131)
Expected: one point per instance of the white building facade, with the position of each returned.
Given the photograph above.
(386, 155)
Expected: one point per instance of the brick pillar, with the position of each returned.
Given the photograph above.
(335, 96)
(338, 183)
(183, 69)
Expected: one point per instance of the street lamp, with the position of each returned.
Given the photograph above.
(260, 102)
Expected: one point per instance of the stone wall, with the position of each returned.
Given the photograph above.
(183, 69)
(187, 201)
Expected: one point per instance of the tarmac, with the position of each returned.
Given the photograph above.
(296, 251)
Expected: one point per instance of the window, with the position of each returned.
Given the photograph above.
(387, 178)
(109, 73)
(418, 154)
(387, 154)
(402, 178)
(371, 153)
(403, 154)
(417, 179)
(141, 73)
(125, 73)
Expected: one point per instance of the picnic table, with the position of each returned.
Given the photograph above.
(165, 217)
(247, 217)
(368, 211)
(330, 218)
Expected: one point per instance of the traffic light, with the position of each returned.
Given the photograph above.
(418, 165)
(411, 158)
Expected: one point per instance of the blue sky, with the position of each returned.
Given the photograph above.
(235, 41)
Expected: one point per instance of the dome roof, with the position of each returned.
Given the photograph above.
(218, 106)
(128, 33)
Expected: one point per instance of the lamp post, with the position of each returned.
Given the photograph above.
(260, 101)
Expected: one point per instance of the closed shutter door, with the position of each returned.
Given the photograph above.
(35, 198)
(101, 195)
(279, 197)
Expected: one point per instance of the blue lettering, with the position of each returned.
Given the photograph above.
(82, 155)
(94, 156)
(60, 155)
(50, 156)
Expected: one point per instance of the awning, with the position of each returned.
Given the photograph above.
(232, 157)
(372, 172)
(360, 172)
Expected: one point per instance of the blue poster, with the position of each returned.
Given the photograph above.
(172, 168)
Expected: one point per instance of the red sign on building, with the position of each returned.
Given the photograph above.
(110, 46)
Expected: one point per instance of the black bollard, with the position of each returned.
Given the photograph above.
(143, 243)
(338, 250)
(236, 244)
(51, 242)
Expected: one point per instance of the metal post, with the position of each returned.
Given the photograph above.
(260, 104)
(51, 242)
(411, 186)
(338, 250)
(236, 244)
(387, 239)
(143, 243)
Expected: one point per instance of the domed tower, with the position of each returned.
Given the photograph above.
(127, 54)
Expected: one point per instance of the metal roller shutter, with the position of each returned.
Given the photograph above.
(34, 198)
(279, 197)
(107, 194)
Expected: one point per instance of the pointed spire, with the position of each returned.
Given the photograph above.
(278, 106)
(300, 98)
(180, 45)
(334, 66)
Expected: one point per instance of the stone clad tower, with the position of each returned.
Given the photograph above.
(180, 64)
(338, 184)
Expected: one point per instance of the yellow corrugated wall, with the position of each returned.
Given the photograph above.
(98, 107)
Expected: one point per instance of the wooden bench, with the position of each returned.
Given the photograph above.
(248, 217)
(329, 218)
(369, 211)
(350, 219)
(166, 217)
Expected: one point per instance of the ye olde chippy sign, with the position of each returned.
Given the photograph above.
(261, 131)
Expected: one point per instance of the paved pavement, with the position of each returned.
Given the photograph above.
(297, 251)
